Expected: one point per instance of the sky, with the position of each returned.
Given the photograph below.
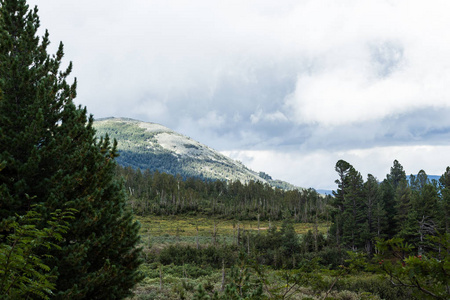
(286, 87)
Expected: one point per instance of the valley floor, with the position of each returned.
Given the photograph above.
(165, 279)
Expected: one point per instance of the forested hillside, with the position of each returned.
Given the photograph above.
(164, 194)
(154, 147)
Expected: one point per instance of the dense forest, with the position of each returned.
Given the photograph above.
(411, 209)
(164, 194)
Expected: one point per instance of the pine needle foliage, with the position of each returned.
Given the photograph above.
(50, 152)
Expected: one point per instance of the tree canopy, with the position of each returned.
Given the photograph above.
(51, 157)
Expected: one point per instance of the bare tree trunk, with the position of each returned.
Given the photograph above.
(214, 233)
(258, 223)
(248, 242)
(223, 275)
(234, 231)
(238, 234)
(337, 232)
(160, 277)
(316, 233)
(196, 239)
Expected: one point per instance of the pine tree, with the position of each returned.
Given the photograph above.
(403, 203)
(389, 187)
(444, 182)
(372, 212)
(388, 199)
(51, 154)
(354, 213)
(342, 168)
(396, 175)
(380, 220)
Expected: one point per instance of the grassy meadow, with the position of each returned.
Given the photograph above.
(183, 281)
(167, 230)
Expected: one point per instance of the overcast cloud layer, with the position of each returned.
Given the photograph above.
(287, 87)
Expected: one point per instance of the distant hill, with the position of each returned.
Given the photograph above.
(430, 177)
(325, 192)
(155, 147)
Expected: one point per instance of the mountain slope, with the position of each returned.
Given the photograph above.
(155, 147)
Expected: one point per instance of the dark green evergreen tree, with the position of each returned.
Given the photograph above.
(354, 213)
(421, 180)
(389, 192)
(342, 168)
(381, 221)
(373, 213)
(444, 183)
(51, 154)
(403, 203)
(396, 175)
(350, 224)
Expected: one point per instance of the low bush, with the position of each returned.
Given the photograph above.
(208, 256)
(375, 285)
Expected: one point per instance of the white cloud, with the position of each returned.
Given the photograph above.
(316, 77)
(211, 119)
(316, 169)
(260, 116)
(175, 49)
(376, 62)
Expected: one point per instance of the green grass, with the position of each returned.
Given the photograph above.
(181, 282)
(187, 226)
(157, 230)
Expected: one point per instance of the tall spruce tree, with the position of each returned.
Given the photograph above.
(444, 183)
(354, 213)
(374, 213)
(389, 192)
(403, 204)
(396, 175)
(52, 158)
(342, 168)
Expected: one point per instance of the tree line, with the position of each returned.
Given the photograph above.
(398, 207)
(164, 194)
(397, 228)
(400, 223)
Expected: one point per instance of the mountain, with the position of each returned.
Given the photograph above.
(325, 192)
(430, 177)
(152, 146)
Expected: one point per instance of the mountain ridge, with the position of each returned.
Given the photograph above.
(147, 145)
